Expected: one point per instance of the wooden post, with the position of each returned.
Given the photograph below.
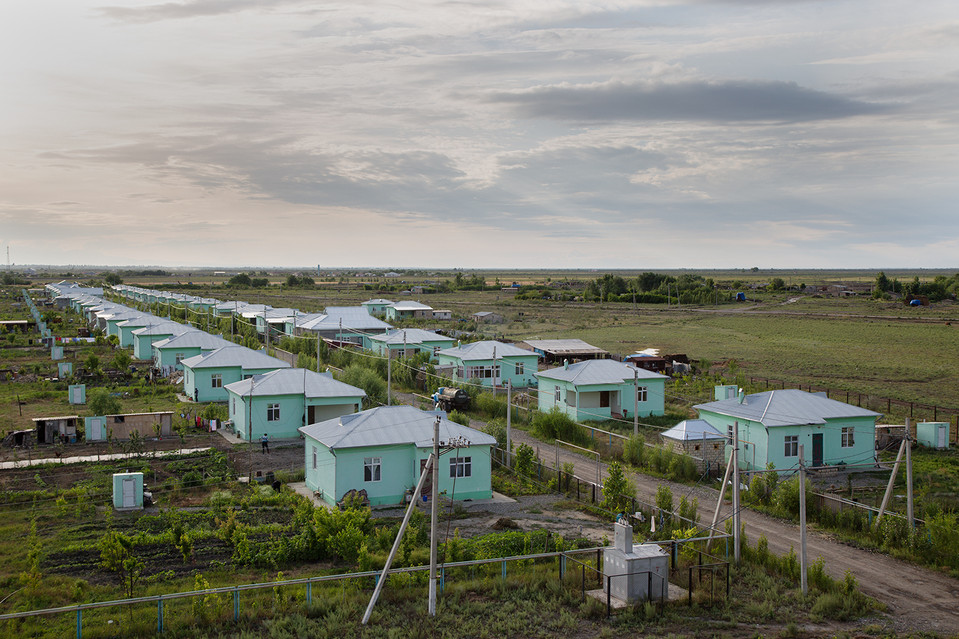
(802, 522)
(909, 501)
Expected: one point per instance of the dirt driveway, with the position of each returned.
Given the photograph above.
(919, 599)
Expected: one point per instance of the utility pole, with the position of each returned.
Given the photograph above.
(434, 515)
(803, 562)
(509, 419)
(909, 501)
(389, 376)
(494, 371)
(736, 491)
(636, 402)
(317, 352)
(892, 480)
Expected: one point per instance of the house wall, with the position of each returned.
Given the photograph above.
(143, 345)
(322, 477)
(399, 472)
(126, 335)
(582, 403)
(118, 489)
(201, 379)
(291, 413)
(507, 369)
(710, 456)
(762, 446)
(166, 358)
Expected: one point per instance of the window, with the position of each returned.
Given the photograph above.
(792, 446)
(314, 457)
(272, 412)
(179, 358)
(436, 349)
(482, 372)
(848, 437)
(519, 368)
(234, 405)
(558, 396)
(461, 467)
(216, 380)
(641, 393)
(371, 468)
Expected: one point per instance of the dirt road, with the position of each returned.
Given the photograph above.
(919, 600)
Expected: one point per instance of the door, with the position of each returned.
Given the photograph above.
(129, 493)
(604, 399)
(75, 393)
(942, 437)
(96, 430)
(817, 449)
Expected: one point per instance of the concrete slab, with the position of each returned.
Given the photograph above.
(676, 593)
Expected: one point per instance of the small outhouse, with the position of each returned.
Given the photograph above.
(933, 434)
(127, 491)
(77, 393)
(64, 369)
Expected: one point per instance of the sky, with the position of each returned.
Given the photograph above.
(480, 134)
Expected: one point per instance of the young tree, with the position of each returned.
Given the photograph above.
(101, 402)
(618, 491)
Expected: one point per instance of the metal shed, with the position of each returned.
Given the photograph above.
(933, 434)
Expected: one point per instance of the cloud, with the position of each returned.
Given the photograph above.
(718, 102)
(190, 9)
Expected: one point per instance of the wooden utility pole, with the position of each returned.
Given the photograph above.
(719, 502)
(803, 563)
(892, 480)
(636, 401)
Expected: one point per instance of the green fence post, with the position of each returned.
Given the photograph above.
(309, 593)
(504, 569)
(79, 622)
(236, 603)
(160, 615)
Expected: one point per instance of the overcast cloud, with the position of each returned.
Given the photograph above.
(713, 134)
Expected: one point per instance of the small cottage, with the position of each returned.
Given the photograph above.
(383, 451)
(600, 389)
(490, 363)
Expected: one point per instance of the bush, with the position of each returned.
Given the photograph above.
(634, 450)
(557, 425)
(368, 380)
(491, 406)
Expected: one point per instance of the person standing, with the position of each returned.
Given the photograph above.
(265, 443)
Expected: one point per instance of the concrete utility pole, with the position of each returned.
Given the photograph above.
(396, 542)
(909, 501)
(389, 376)
(317, 352)
(494, 371)
(803, 562)
(892, 480)
(434, 515)
(636, 401)
(736, 491)
(509, 420)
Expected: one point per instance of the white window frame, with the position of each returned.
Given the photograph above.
(848, 436)
(642, 394)
(216, 380)
(272, 412)
(461, 466)
(557, 395)
(791, 446)
(520, 367)
(314, 457)
(372, 469)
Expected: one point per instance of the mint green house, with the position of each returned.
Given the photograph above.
(377, 306)
(125, 329)
(383, 451)
(600, 389)
(281, 401)
(408, 309)
(169, 353)
(773, 424)
(490, 363)
(409, 341)
(205, 376)
(145, 338)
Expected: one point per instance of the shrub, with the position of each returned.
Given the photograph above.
(526, 460)
(558, 425)
(634, 450)
(618, 492)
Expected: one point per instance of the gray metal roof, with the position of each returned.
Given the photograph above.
(391, 425)
(788, 407)
(410, 336)
(193, 339)
(164, 327)
(378, 302)
(241, 356)
(693, 429)
(293, 381)
(484, 351)
(598, 371)
(563, 346)
(409, 305)
(353, 317)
